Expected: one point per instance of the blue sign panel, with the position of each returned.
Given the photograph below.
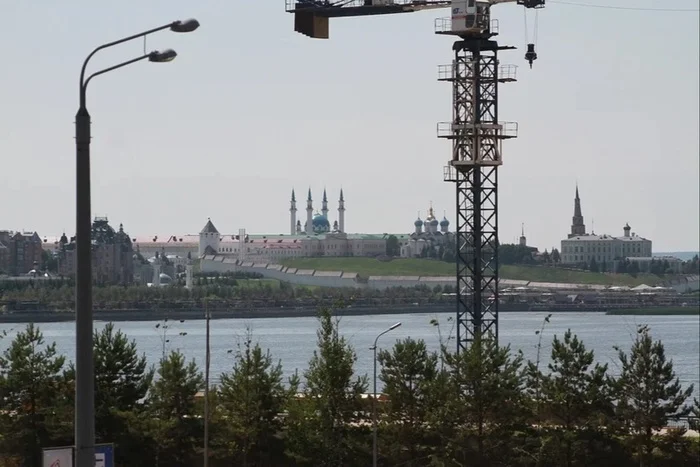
(104, 455)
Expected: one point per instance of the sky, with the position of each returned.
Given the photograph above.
(250, 109)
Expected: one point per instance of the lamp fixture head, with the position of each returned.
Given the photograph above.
(187, 25)
(167, 55)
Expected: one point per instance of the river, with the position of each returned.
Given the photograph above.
(293, 340)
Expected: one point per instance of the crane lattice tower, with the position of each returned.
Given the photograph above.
(475, 132)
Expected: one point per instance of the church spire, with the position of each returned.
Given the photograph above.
(294, 196)
(577, 225)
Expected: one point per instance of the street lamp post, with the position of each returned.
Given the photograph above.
(84, 365)
(374, 396)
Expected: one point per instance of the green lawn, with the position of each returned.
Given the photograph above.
(426, 267)
(274, 283)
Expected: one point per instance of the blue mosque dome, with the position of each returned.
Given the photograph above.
(320, 224)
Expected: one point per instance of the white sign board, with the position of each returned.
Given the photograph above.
(58, 457)
(100, 459)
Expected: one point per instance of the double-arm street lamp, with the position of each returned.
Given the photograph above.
(84, 374)
(374, 396)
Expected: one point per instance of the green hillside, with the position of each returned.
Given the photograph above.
(366, 267)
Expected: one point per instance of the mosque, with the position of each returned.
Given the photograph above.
(318, 223)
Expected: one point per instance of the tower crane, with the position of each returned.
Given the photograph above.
(475, 132)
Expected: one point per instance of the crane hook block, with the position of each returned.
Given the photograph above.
(530, 55)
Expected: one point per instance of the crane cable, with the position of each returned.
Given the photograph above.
(535, 27)
(612, 7)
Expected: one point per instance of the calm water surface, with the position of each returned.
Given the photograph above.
(293, 340)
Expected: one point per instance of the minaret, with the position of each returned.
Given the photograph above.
(324, 205)
(523, 240)
(188, 272)
(577, 225)
(293, 214)
(309, 215)
(155, 282)
(341, 212)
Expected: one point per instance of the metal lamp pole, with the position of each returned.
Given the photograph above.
(374, 397)
(84, 365)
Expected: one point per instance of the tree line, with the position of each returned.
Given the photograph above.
(217, 291)
(485, 406)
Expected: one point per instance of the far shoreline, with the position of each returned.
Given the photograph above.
(656, 311)
(197, 314)
(136, 315)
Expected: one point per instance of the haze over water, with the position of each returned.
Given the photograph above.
(293, 340)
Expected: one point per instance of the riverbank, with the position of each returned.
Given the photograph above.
(660, 311)
(234, 313)
(122, 315)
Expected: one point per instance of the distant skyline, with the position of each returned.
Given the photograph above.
(251, 109)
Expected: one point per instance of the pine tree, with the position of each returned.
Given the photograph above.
(122, 380)
(176, 428)
(486, 404)
(577, 399)
(408, 373)
(31, 385)
(251, 398)
(556, 257)
(649, 392)
(320, 429)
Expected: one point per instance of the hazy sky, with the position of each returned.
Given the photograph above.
(250, 109)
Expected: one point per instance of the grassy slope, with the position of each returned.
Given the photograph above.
(426, 267)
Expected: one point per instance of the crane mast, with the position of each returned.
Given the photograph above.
(475, 132)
